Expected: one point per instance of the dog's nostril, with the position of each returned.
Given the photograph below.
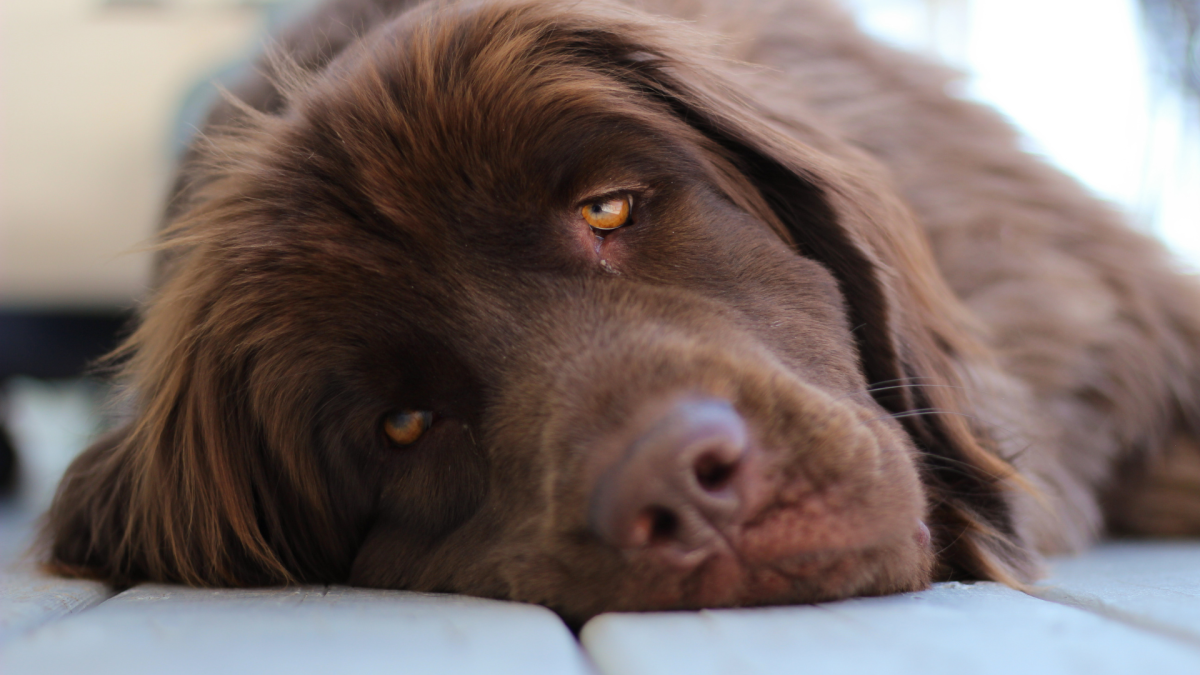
(654, 526)
(714, 472)
(664, 525)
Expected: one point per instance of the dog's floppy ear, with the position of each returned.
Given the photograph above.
(838, 206)
(214, 480)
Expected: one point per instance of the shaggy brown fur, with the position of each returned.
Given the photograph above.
(918, 323)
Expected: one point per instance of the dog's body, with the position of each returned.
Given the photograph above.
(884, 345)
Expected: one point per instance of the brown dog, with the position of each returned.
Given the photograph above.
(569, 304)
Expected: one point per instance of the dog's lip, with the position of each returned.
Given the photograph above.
(725, 579)
(736, 577)
(922, 535)
(780, 568)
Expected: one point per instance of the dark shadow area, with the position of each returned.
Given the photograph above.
(57, 344)
(50, 345)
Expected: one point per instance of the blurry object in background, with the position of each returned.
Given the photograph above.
(8, 462)
(1175, 25)
(936, 28)
(57, 344)
(1171, 196)
(88, 94)
(1075, 77)
(49, 421)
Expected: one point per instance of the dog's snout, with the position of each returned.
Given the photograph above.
(675, 490)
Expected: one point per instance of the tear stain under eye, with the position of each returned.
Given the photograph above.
(607, 267)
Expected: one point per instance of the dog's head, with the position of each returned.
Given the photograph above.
(524, 301)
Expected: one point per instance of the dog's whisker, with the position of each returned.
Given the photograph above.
(873, 390)
(920, 413)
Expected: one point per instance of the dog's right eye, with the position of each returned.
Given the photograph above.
(406, 426)
(608, 214)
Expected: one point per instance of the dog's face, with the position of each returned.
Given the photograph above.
(504, 304)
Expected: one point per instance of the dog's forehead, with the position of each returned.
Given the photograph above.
(448, 122)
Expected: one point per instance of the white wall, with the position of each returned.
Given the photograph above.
(1074, 75)
(88, 97)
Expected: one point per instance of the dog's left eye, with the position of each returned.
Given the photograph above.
(406, 426)
(609, 213)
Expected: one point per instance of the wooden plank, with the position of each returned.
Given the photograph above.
(1154, 584)
(165, 629)
(29, 599)
(952, 629)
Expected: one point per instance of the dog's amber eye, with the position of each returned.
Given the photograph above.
(607, 214)
(406, 426)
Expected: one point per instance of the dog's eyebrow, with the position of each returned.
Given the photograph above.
(596, 193)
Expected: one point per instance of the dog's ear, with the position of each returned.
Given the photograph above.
(215, 479)
(838, 206)
(912, 332)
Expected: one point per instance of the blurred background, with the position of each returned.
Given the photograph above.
(98, 97)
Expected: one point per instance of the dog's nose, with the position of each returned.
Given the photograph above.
(675, 490)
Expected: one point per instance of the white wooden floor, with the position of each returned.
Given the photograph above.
(1124, 608)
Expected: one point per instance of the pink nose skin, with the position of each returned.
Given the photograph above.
(674, 493)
